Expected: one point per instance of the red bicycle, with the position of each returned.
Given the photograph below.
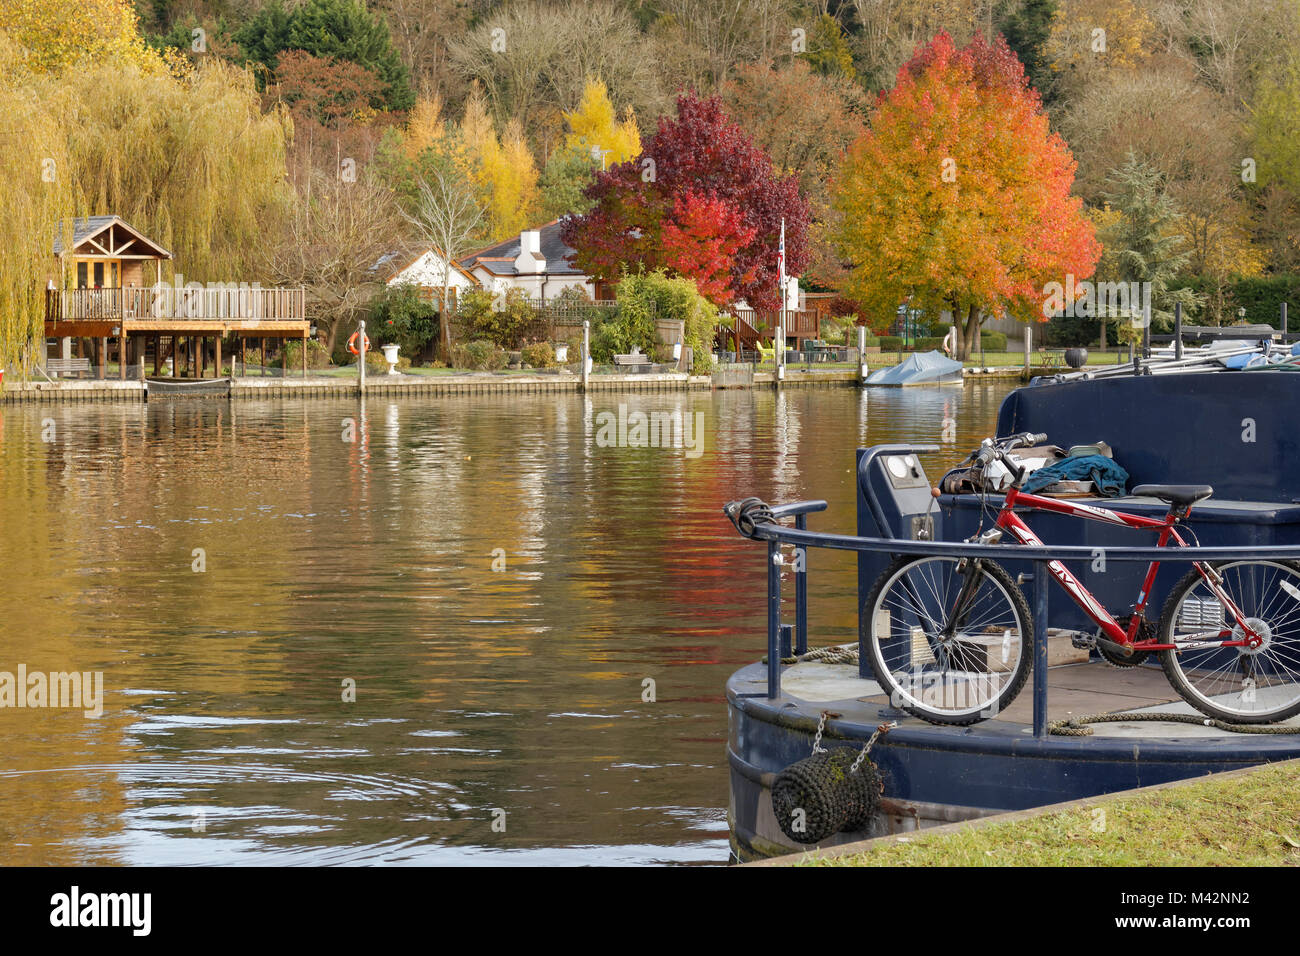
(951, 639)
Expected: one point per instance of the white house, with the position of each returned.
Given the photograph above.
(536, 261)
(426, 272)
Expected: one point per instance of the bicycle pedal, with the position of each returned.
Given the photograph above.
(1083, 641)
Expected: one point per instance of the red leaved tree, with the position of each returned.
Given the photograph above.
(702, 201)
(958, 195)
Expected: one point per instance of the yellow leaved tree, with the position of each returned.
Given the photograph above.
(56, 34)
(502, 169)
(595, 126)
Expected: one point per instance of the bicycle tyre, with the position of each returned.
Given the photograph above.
(1016, 612)
(1181, 670)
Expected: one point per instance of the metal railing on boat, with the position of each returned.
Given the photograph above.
(783, 639)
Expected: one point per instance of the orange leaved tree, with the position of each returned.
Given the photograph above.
(958, 195)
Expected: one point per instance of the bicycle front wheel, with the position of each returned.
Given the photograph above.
(949, 642)
(1239, 684)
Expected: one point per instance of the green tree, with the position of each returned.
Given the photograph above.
(828, 49)
(1026, 29)
(333, 29)
(1143, 243)
(567, 174)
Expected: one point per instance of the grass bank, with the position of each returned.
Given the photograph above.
(1248, 819)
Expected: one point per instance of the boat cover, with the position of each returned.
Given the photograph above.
(919, 368)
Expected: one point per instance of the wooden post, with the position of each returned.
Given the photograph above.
(102, 356)
(122, 343)
(261, 350)
(586, 350)
(304, 355)
(243, 354)
(361, 357)
(1029, 346)
(157, 354)
(203, 356)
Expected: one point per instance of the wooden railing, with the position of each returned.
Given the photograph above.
(798, 325)
(165, 303)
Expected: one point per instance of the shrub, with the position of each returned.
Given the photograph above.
(871, 341)
(400, 316)
(926, 343)
(993, 341)
(479, 354)
(1066, 331)
(891, 343)
(505, 321)
(539, 355)
(377, 365)
(291, 356)
(650, 296)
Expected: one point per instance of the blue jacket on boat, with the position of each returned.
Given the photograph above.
(1109, 477)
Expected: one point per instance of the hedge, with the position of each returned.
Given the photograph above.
(1261, 297)
(890, 343)
(993, 341)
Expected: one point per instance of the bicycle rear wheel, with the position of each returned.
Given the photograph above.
(1242, 685)
(948, 675)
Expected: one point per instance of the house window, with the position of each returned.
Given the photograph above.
(99, 275)
(82, 276)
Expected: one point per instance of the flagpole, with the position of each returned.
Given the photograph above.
(780, 327)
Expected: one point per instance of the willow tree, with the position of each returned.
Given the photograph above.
(192, 161)
(35, 192)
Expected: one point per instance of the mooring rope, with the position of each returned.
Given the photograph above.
(1075, 726)
(834, 654)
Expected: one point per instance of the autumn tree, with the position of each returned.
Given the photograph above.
(805, 122)
(1091, 37)
(958, 196)
(51, 35)
(502, 168)
(336, 231)
(447, 215)
(698, 156)
(595, 128)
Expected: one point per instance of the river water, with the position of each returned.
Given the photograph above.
(443, 630)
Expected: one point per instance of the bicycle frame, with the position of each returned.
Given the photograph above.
(1010, 522)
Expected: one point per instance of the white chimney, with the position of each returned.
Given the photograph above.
(530, 261)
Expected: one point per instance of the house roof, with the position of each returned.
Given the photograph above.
(395, 263)
(87, 228)
(499, 258)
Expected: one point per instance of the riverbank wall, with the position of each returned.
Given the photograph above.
(484, 383)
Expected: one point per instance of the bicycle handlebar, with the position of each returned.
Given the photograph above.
(997, 448)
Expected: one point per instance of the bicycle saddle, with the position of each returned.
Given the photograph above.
(1175, 494)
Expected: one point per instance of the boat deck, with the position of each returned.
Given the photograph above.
(1074, 690)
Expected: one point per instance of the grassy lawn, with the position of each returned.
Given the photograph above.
(1247, 820)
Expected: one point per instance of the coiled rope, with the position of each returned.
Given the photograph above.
(1076, 726)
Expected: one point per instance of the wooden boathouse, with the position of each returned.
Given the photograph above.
(99, 296)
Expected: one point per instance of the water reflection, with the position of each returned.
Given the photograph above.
(496, 585)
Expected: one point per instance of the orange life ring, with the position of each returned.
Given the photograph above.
(352, 343)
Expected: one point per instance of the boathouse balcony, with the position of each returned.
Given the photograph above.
(168, 304)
